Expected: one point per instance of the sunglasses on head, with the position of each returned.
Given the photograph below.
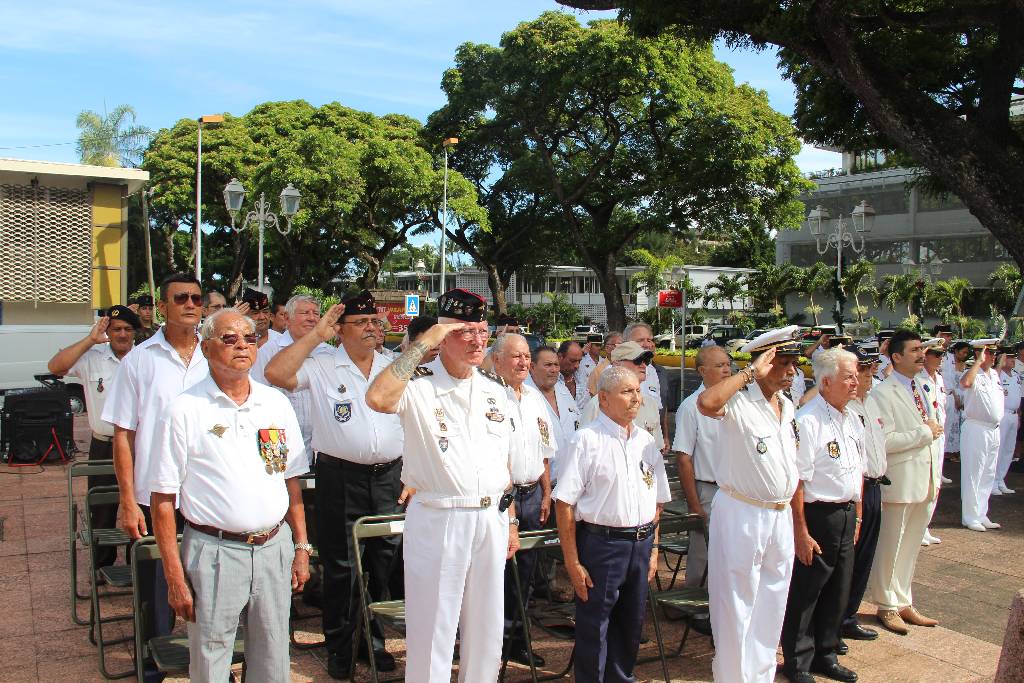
(231, 339)
(181, 297)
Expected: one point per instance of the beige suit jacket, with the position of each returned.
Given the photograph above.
(912, 455)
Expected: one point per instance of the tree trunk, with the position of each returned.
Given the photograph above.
(148, 241)
(168, 232)
(239, 243)
(497, 290)
(613, 301)
(368, 280)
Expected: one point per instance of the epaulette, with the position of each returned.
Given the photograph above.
(422, 371)
(493, 376)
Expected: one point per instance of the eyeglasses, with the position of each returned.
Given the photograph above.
(366, 322)
(231, 339)
(466, 335)
(181, 297)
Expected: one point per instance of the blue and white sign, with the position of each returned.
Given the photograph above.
(412, 304)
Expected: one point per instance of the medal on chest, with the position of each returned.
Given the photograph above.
(648, 474)
(343, 411)
(218, 430)
(441, 424)
(833, 449)
(273, 449)
(99, 385)
(442, 443)
(494, 415)
(796, 434)
(545, 435)
(761, 446)
(342, 389)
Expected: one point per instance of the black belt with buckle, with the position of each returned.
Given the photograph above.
(628, 533)
(523, 489)
(842, 505)
(882, 480)
(250, 537)
(376, 468)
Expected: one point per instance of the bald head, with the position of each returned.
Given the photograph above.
(713, 365)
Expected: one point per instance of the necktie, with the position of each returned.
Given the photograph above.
(918, 400)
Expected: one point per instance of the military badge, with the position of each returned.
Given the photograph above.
(491, 401)
(833, 449)
(439, 413)
(761, 446)
(648, 474)
(342, 389)
(99, 385)
(442, 426)
(343, 411)
(494, 415)
(218, 430)
(545, 435)
(442, 443)
(796, 434)
(273, 449)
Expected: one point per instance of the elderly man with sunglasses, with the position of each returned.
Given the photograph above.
(229, 454)
(358, 464)
(461, 525)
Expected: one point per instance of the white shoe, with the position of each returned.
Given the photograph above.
(1005, 489)
(946, 480)
(989, 524)
(924, 542)
(931, 538)
(975, 526)
(996, 491)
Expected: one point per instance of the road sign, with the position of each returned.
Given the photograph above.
(412, 304)
(670, 298)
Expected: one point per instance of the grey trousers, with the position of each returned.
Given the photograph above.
(232, 583)
(697, 555)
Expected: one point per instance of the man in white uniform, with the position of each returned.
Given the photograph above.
(228, 455)
(1011, 382)
(533, 447)
(979, 436)
(591, 358)
(826, 514)
(643, 334)
(750, 559)
(358, 466)
(570, 355)
(94, 360)
(458, 531)
(608, 501)
(562, 408)
(935, 395)
(629, 355)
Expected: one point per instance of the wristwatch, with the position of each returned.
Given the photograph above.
(513, 521)
(748, 372)
(308, 547)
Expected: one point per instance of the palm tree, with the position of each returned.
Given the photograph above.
(1006, 284)
(859, 278)
(813, 280)
(726, 287)
(896, 290)
(946, 297)
(112, 139)
(772, 283)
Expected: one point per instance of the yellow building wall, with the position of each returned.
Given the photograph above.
(109, 236)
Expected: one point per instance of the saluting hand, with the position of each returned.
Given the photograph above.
(436, 334)
(806, 548)
(580, 578)
(763, 364)
(325, 328)
(98, 333)
(242, 307)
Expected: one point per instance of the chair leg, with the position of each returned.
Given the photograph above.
(657, 633)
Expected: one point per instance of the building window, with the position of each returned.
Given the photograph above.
(885, 201)
(973, 249)
(943, 201)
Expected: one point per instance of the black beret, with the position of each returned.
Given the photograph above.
(143, 300)
(461, 305)
(126, 314)
(256, 299)
(360, 304)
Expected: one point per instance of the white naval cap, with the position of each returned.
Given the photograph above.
(786, 339)
(932, 343)
(985, 343)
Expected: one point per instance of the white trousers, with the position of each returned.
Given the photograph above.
(1007, 442)
(454, 579)
(697, 555)
(979, 452)
(933, 503)
(899, 543)
(750, 563)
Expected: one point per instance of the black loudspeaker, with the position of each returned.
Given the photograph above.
(37, 426)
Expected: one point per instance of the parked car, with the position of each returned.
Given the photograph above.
(734, 345)
(694, 335)
(723, 334)
(580, 332)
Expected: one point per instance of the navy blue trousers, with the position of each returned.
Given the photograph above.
(864, 551)
(610, 622)
(528, 511)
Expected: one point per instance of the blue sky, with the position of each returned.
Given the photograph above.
(179, 59)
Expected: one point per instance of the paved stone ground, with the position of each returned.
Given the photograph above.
(967, 582)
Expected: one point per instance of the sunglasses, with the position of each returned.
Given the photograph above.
(182, 297)
(231, 339)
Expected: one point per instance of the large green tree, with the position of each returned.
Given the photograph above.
(627, 135)
(933, 79)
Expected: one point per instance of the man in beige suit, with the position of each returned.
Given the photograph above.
(913, 438)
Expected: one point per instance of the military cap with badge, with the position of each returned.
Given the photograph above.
(257, 300)
(126, 314)
(459, 304)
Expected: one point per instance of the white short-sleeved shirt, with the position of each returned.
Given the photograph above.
(652, 385)
(934, 394)
(533, 437)
(647, 418)
(141, 395)
(611, 477)
(565, 421)
(458, 434)
(799, 387)
(343, 425)
(582, 393)
(883, 363)
(209, 455)
(983, 401)
(1011, 384)
(587, 366)
(96, 368)
(749, 420)
(830, 460)
(697, 436)
(874, 437)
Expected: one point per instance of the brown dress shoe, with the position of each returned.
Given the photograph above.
(912, 616)
(892, 620)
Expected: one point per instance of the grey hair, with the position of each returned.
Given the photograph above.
(613, 377)
(208, 295)
(826, 363)
(704, 352)
(206, 330)
(628, 332)
(297, 299)
(498, 347)
(613, 333)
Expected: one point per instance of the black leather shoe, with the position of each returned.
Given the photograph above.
(837, 672)
(798, 676)
(385, 660)
(842, 648)
(339, 668)
(702, 626)
(858, 632)
(520, 655)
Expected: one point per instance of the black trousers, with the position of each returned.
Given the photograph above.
(864, 551)
(103, 516)
(153, 583)
(528, 508)
(819, 592)
(610, 622)
(344, 493)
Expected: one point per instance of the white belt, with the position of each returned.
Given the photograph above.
(436, 500)
(733, 493)
(987, 425)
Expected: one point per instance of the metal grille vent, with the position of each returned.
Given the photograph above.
(45, 244)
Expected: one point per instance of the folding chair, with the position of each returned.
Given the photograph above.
(115, 576)
(688, 601)
(388, 612)
(296, 615)
(529, 541)
(168, 653)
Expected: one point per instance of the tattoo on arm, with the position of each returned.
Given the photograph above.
(405, 367)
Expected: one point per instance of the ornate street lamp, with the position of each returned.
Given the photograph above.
(862, 218)
(234, 197)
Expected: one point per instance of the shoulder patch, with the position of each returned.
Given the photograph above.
(422, 371)
(493, 376)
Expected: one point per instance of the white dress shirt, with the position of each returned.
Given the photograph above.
(141, 395)
(697, 436)
(830, 459)
(934, 395)
(648, 418)
(458, 435)
(652, 385)
(343, 425)
(533, 438)
(208, 454)
(874, 436)
(799, 387)
(749, 420)
(582, 394)
(983, 401)
(611, 477)
(565, 421)
(96, 368)
(587, 366)
(1011, 384)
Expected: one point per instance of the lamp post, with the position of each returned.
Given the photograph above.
(420, 269)
(448, 142)
(211, 119)
(234, 195)
(863, 219)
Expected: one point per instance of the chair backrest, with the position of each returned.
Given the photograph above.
(534, 540)
(142, 551)
(374, 526)
(101, 495)
(86, 468)
(677, 524)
